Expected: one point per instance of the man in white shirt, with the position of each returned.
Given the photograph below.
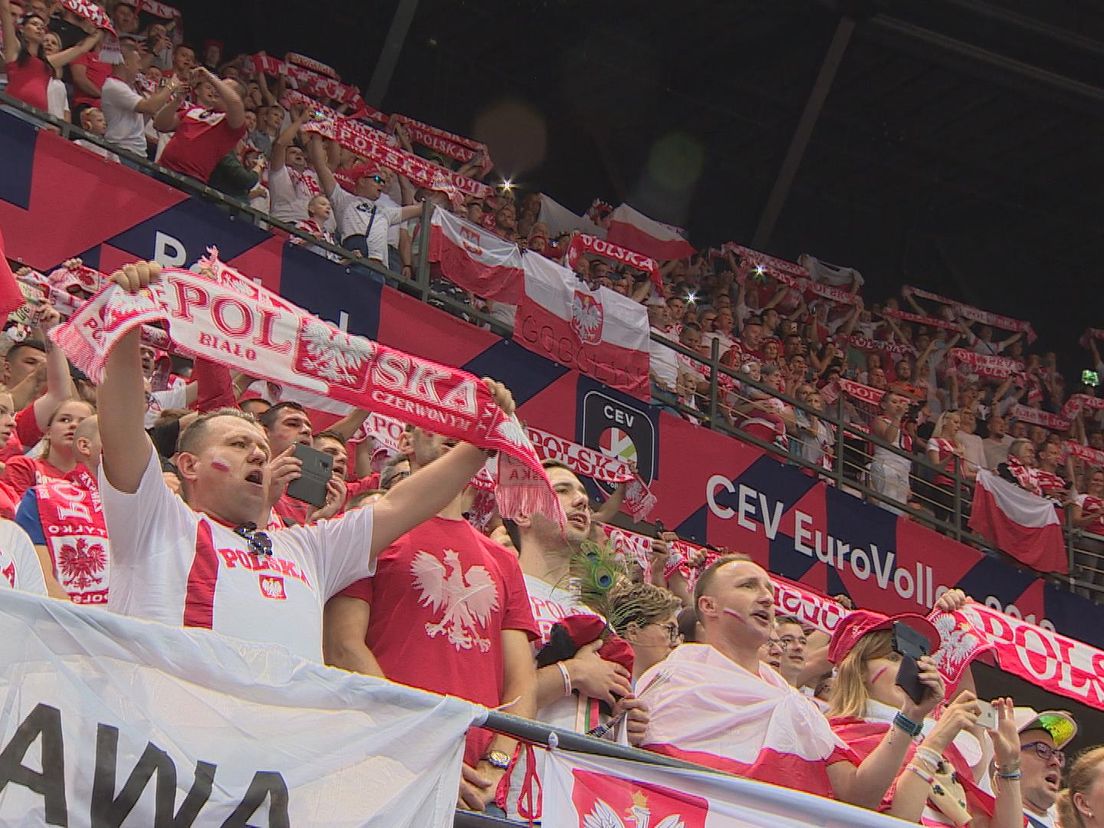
(19, 566)
(363, 220)
(291, 182)
(124, 108)
(200, 561)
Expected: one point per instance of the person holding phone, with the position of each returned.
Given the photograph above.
(870, 710)
(200, 561)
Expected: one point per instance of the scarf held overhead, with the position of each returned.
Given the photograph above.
(220, 315)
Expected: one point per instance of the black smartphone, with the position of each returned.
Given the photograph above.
(317, 471)
(912, 646)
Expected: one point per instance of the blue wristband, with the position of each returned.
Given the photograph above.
(908, 725)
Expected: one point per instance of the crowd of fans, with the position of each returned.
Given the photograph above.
(146, 494)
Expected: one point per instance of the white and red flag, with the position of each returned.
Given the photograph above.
(597, 332)
(632, 229)
(1019, 523)
(583, 791)
(475, 259)
(707, 709)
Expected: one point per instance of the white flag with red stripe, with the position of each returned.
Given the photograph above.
(707, 709)
(632, 229)
(583, 791)
(598, 332)
(475, 259)
(1019, 523)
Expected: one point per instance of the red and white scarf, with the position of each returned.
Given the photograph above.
(73, 524)
(929, 321)
(1026, 414)
(159, 9)
(582, 243)
(595, 464)
(994, 320)
(378, 146)
(309, 63)
(1041, 656)
(1094, 457)
(221, 315)
(863, 343)
(1026, 477)
(987, 365)
(453, 146)
(87, 10)
(1079, 402)
(860, 392)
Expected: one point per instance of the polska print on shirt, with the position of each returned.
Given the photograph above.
(463, 601)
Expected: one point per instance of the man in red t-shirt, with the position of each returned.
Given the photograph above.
(447, 611)
(203, 133)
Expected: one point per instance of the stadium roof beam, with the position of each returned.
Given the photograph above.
(803, 132)
(1009, 72)
(389, 54)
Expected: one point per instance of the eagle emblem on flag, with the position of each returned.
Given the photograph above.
(586, 318)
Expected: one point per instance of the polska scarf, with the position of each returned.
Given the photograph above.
(582, 243)
(73, 524)
(221, 315)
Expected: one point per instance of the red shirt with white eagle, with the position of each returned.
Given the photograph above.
(441, 597)
(183, 568)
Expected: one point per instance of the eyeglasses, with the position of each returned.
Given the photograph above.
(259, 542)
(1046, 752)
(673, 633)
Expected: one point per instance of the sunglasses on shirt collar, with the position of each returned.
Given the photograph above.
(259, 542)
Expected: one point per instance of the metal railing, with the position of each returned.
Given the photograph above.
(944, 508)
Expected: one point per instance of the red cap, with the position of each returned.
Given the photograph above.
(861, 622)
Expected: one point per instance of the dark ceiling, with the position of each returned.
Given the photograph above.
(959, 146)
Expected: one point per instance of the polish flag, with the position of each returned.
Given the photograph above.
(707, 709)
(475, 259)
(598, 332)
(1019, 523)
(559, 220)
(634, 230)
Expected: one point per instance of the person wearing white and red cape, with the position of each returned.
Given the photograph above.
(867, 707)
(716, 704)
(201, 562)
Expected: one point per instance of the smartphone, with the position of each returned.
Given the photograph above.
(912, 646)
(317, 471)
(1090, 378)
(988, 717)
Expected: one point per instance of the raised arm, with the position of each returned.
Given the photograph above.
(87, 44)
(150, 105)
(7, 25)
(166, 118)
(231, 100)
(429, 490)
(317, 154)
(122, 395)
(59, 384)
(284, 140)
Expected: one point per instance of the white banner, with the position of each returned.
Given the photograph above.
(587, 792)
(109, 720)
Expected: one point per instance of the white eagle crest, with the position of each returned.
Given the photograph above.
(586, 318)
(466, 599)
(333, 355)
(958, 639)
(603, 816)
